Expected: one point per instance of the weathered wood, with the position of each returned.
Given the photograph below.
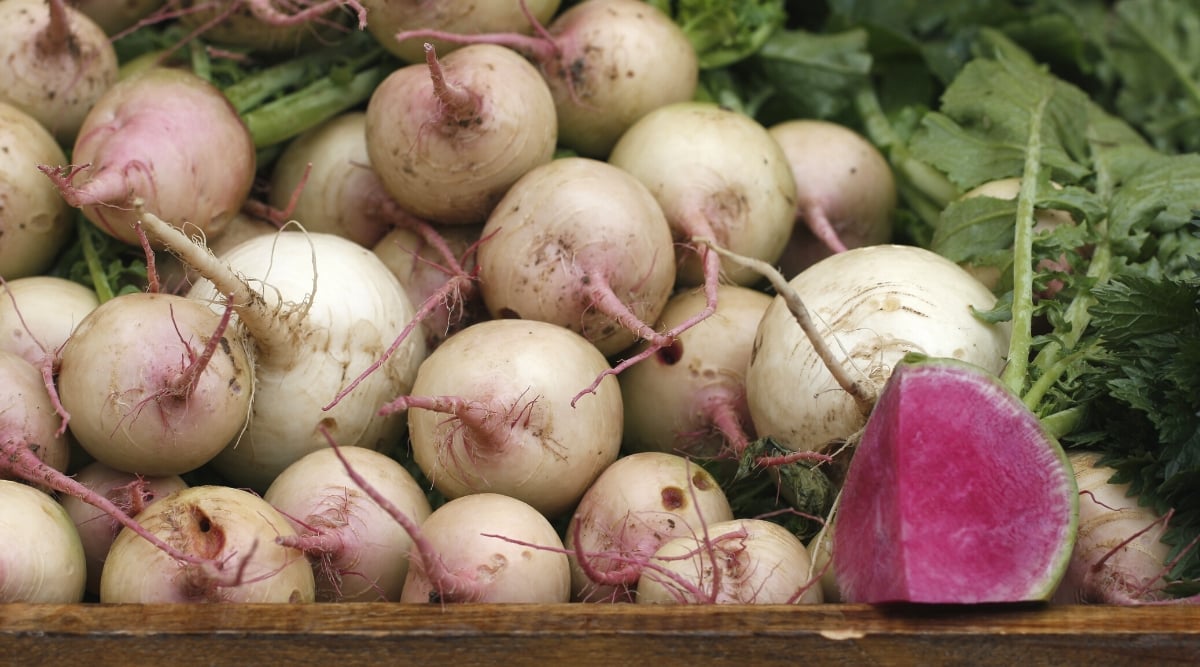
(467, 635)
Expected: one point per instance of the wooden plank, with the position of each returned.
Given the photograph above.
(469, 635)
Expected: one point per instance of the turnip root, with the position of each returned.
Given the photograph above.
(638, 503)
(845, 190)
(57, 63)
(449, 138)
(717, 174)
(42, 560)
(139, 143)
(35, 223)
(321, 309)
(743, 561)
(358, 552)
(97, 530)
(872, 305)
(496, 549)
(690, 397)
(441, 268)
(387, 17)
(1119, 555)
(956, 494)
(29, 414)
(210, 522)
(582, 244)
(39, 313)
(155, 384)
(608, 63)
(338, 184)
(511, 427)
(177, 278)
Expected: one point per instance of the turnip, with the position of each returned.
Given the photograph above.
(845, 190)
(320, 309)
(358, 552)
(139, 143)
(638, 503)
(210, 522)
(582, 244)
(511, 427)
(608, 63)
(492, 548)
(35, 222)
(820, 555)
(270, 26)
(387, 17)
(956, 494)
(155, 384)
(1119, 555)
(447, 139)
(717, 174)
(743, 561)
(39, 313)
(42, 560)
(871, 305)
(690, 397)
(441, 267)
(29, 415)
(57, 63)
(116, 17)
(329, 167)
(97, 530)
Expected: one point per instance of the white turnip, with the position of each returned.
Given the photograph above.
(489, 414)
(117, 17)
(139, 149)
(448, 138)
(57, 63)
(358, 552)
(490, 548)
(638, 503)
(845, 190)
(743, 561)
(270, 26)
(320, 310)
(35, 222)
(216, 523)
(97, 530)
(42, 560)
(39, 313)
(717, 174)
(608, 63)
(582, 244)
(155, 383)
(388, 17)
(29, 415)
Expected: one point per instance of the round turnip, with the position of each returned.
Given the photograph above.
(42, 560)
(39, 313)
(29, 415)
(35, 222)
(388, 17)
(270, 26)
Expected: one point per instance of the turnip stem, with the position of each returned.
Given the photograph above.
(57, 37)
(1015, 372)
(863, 393)
(458, 103)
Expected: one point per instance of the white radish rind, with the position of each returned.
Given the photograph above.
(507, 385)
(638, 503)
(743, 561)
(319, 310)
(358, 553)
(501, 549)
(448, 139)
(581, 244)
(42, 560)
(231, 526)
(141, 395)
(35, 222)
(873, 305)
(717, 174)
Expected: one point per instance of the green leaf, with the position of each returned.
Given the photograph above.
(814, 75)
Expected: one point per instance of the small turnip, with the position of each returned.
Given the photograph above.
(29, 415)
(42, 560)
(117, 17)
(35, 222)
(210, 522)
(358, 552)
(39, 313)
(388, 17)
(270, 26)
(449, 138)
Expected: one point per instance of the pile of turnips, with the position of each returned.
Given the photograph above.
(507, 331)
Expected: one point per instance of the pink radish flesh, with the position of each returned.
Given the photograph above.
(955, 495)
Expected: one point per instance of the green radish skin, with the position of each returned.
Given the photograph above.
(956, 494)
